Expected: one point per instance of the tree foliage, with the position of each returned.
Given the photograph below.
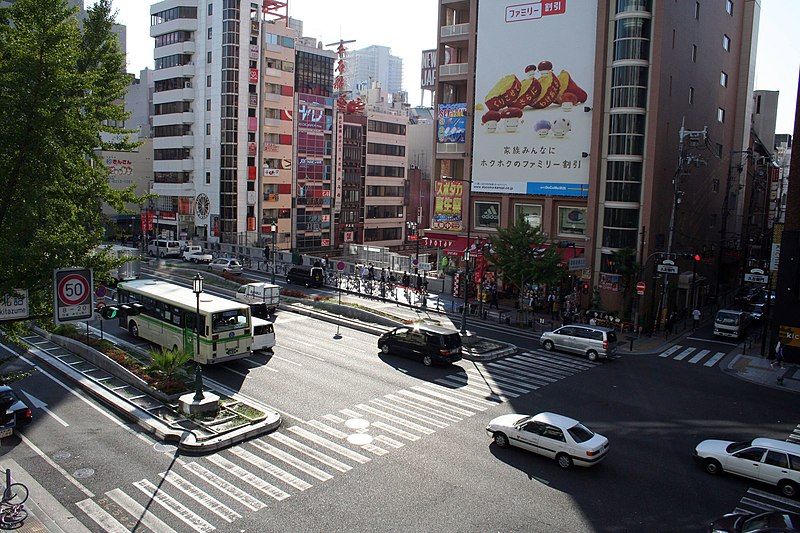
(624, 263)
(61, 86)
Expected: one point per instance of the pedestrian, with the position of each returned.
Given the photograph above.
(364, 272)
(494, 302)
(383, 275)
(778, 361)
(695, 319)
(593, 321)
(406, 279)
(371, 272)
(670, 323)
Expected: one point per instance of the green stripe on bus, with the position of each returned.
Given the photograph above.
(180, 331)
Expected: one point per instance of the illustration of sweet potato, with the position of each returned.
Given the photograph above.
(550, 87)
(529, 92)
(505, 91)
(568, 85)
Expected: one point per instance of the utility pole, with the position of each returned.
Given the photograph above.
(725, 211)
(636, 299)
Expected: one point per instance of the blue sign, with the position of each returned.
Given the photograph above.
(452, 123)
(558, 189)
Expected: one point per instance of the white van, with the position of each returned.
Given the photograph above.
(128, 270)
(731, 323)
(263, 334)
(164, 248)
(263, 298)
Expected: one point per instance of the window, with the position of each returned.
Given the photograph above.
(174, 60)
(691, 95)
(173, 14)
(729, 7)
(386, 149)
(723, 79)
(571, 221)
(726, 43)
(580, 433)
(172, 154)
(694, 53)
(487, 214)
(210, 9)
(777, 459)
(172, 84)
(228, 320)
(552, 432)
(795, 462)
(172, 130)
(208, 178)
(720, 115)
(697, 11)
(208, 57)
(208, 153)
(208, 129)
(168, 108)
(173, 37)
(531, 214)
(758, 104)
(208, 80)
(750, 454)
(673, 38)
(209, 32)
(208, 105)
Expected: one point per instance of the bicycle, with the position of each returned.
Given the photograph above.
(12, 508)
(13, 515)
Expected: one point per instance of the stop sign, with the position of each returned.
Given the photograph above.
(640, 287)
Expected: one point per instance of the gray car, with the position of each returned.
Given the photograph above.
(591, 341)
(225, 265)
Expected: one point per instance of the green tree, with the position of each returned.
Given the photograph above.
(61, 87)
(167, 364)
(623, 262)
(519, 254)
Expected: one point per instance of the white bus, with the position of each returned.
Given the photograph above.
(168, 320)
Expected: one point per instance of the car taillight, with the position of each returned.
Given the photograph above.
(444, 352)
(28, 414)
(591, 453)
(605, 345)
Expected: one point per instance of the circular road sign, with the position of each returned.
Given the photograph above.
(99, 305)
(100, 291)
(340, 266)
(414, 262)
(640, 288)
(73, 289)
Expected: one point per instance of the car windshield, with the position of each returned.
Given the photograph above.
(580, 433)
(7, 399)
(727, 319)
(228, 320)
(522, 421)
(737, 446)
(449, 341)
(768, 522)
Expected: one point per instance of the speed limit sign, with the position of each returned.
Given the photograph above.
(72, 294)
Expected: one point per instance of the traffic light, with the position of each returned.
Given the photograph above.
(108, 312)
(697, 258)
(585, 287)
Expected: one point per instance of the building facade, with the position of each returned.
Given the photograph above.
(373, 64)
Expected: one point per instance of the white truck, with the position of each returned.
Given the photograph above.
(263, 298)
(128, 270)
(194, 254)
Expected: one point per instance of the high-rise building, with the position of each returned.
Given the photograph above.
(373, 64)
(582, 138)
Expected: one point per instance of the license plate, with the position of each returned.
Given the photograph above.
(6, 432)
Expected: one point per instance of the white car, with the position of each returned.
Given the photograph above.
(559, 437)
(225, 265)
(194, 254)
(769, 460)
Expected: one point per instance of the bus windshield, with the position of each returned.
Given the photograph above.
(228, 320)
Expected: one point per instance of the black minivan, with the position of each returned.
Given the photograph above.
(424, 342)
(306, 275)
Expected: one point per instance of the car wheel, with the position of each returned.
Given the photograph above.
(209, 268)
(592, 355)
(224, 270)
(385, 349)
(150, 253)
(427, 360)
(548, 345)
(161, 255)
(133, 329)
(564, 461)
(712, 466)
(788, 488)
(501, 440)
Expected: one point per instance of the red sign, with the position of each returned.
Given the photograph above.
(640, 288)
(325, 242)
(253, 75)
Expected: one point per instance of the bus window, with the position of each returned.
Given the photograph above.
(228, 320)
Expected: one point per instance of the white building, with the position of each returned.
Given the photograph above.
(374, 64)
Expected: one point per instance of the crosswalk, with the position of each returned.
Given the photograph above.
(206, 493)
(759, 501)
(692, 355)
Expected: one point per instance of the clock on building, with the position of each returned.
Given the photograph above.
(201, 206)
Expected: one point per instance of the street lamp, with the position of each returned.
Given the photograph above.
(197, 288)
(274, 230)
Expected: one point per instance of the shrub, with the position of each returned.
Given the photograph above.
(167, 363)
(291, 293)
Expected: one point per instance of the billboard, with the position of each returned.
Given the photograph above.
(447, 205)
(533, 102)
(428, 74)
(451, 123)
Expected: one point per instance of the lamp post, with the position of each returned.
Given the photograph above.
(197, 288)
(274, 230)
(466, 290)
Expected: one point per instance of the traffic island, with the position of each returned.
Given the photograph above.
(474, 348)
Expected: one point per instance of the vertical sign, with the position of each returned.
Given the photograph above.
(339, 174)
(14, 306)
(428, 74)
(72, 295)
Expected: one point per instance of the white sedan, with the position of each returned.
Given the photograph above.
(559, 437)
(225, 265)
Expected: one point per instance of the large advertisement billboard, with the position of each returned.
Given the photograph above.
(452, 123)
(533, 83)
(447, 205)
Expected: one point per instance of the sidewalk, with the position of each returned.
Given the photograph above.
(747, 364)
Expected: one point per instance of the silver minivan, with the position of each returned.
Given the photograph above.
(591, 341)
(164, 248)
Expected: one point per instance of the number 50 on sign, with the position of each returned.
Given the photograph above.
(72, 294)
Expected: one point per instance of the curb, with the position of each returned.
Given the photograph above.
(491, 356)
(336, 319)
(733, 373)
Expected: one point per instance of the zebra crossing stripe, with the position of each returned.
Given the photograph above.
(333, 432)
(515, 369)
(213, 505)
(423, 408)
(101, 517)
(700, 355)
(794, 505)
(334, 418)
(565, 359)
(175, 507)
(472, 389)
(383, 439)
(521, 377)
(395, 431)
(681, 356)
(502, 381)
(451, 398)
(759, 505)
(462, 381)
(561, 362)
(377, 450)
(249, 478)
(713, 360)
(396, 419)
(411, 414)
(481, 399)
(669, 351)
(311, 452)
(541, 366)
(271, 469)
(299, 464)
(435, 403)
(351, 413)
(254, 504)
(142, 515)
(325, 443)
(739, 510)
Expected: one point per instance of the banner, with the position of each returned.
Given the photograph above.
(447, 205)
(452, 123)
(428, 74)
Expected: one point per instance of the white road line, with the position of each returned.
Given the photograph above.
(236, 395)
(311, 452)
(383, 439)
(467, 394)
(249, 478)
(405, 412)
(436, 403)
(551, 370)
(139, 513)
(204, 499)
(713, 360)
(776, 498)
(252, 503)
(299, 464)
(424, 408)
(101, 517)
(700, 355)
(501, 373)
(681, 356)
(351, 413)
(266, 466)
(502, 381)
(279, 320)
(452, 398)
(282, 347)
(564, 359)
(333, 432)
(172, 505)
(477, 379)
(711, 340)
(759, 505)
(52, 463)
(483, 393)
(516, 371)
(669, 351)
(333, 418)
(477, 385)
(377, 450)
(295, 363)
(325, 443)
(739, 510)
(395, 431)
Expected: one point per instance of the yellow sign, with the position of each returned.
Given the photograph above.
(789, 336)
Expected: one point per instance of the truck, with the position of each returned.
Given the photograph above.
(194, 254)
(128, 270)
(263, 298)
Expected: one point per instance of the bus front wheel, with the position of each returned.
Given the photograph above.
(133, 329)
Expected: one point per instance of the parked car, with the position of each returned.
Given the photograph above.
(12, 408)
(769, 522)
(757, 311)
(263, 298)
(731, 323)
(591, 341)
(194, 254)
(772, 461)
(164, 248)
(225, 265)
(556, 436)
(306, 275)
(424, 342)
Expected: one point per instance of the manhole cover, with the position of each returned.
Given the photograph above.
(164, 448)
(357, 424)
(359, 439)
(83, 473)
(61, 456)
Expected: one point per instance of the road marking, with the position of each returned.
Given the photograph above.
(452, 398)
(333, 432)
(254, 504)
(395, 431)
(551, 369)
(249, 478)
(411, 414)
(213, 505)
(236, 395)
(101, 517)
(311, 452)
(139, 513)
(477, 385)
(517, 376)
(52, 463)
(505, 383)
(467, 394)
(333, 418)
(377, 450)
(669, 351)
(295, 363)
(565, 360)
(759, 505)
(712, 340)
(775, 497)
(266, 466)
(681, 356)
(299, 464)
(471, 390)
(739, 510)
(351, 413)
(481, 381)
(700, 355)
(396, 419)
(424, 408)
(383, 439)
(713, 360)
(172, 505)
(325, 443)
(302, 353)
(516, 370)
(39, 404)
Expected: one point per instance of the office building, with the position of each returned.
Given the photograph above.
(373, 64)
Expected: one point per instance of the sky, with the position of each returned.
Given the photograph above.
(408, 27)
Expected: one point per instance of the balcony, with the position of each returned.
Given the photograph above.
(453, 69)
(173, 95)
(450, 148)
(186, 24)
(454, 30)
